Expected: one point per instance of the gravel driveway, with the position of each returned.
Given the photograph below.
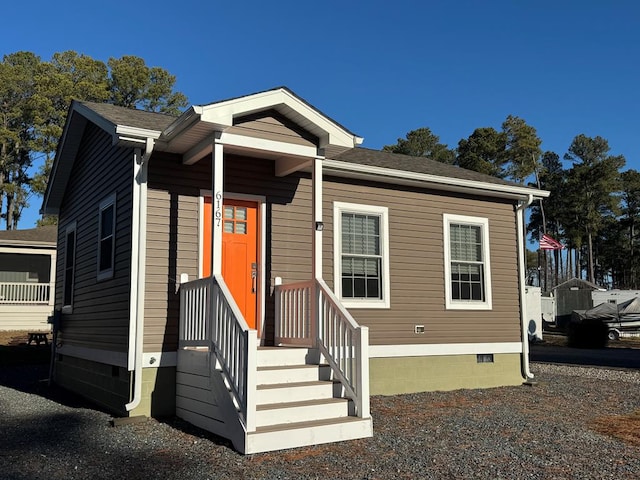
(546, 431)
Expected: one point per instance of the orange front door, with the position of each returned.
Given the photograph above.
(239, 253)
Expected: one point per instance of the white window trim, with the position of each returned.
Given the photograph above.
(483, 223)
(108, 273)
(72, 227)
(338, 209)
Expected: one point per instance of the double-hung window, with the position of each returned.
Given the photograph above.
(361, 265)
(106, 237)
(69, 268)
(467, 266)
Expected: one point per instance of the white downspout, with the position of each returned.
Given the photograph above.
(521, 280)
(138, 270)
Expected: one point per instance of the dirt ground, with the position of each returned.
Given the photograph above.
(14, 337)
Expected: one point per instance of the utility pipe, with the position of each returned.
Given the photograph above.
(138, 270)
(521, 280)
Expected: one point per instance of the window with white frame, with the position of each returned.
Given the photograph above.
(467, 266)
(69, 268)
(361, 260)
(106, 237)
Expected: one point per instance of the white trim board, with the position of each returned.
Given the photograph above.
(441, 349)
(119, 359)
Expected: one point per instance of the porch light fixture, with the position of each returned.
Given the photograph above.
(319, 226)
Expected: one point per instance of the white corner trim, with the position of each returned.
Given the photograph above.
(441, 349)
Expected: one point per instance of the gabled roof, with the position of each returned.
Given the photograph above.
(46, 236)
(190, 136)
(579, 284)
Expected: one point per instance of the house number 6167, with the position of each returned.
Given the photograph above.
(218, 209)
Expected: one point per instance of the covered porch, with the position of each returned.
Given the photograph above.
(27, 278)
(308, 381)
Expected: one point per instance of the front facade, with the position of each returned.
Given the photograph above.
(27, 273)
(261, 216)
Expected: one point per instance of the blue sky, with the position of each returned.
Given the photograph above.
(380, 68)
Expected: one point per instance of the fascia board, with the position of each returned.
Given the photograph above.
(67, 148)
(401, 177)
(223, 113)
(268, 145)
(94, 117)
(182, 123)
(124, 131)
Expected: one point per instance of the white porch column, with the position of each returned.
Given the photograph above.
(217, 189)
(317, 217)
(52, 279)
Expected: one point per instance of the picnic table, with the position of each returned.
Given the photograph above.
(38, 337)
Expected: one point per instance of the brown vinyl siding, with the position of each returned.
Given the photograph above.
(417, 265)
(172, 229)
(416, 250)
(271, 125)
(100, 317)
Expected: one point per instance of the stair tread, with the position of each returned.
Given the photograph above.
(301, 403)
(308, 424)
(262, 347)
(266, 386)
(290, 367)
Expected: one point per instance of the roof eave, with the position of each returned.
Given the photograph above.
(77, 118)
(402, 177)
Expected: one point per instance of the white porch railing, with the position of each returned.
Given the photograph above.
(332, 329)
(25, 293)
(293, 314)
(233, 346)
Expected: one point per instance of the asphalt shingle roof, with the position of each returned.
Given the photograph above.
(361, 156)
(407, 163)
(131, 117)
(39, 235)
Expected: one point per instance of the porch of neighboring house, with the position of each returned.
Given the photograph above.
(312, 386)
(27, 274)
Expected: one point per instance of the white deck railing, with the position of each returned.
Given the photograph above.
(232, 345)
(332, 329)
(25, 293)
(293, 314)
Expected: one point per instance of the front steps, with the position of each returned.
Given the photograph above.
(298, 404)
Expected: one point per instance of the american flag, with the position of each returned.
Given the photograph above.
(549, 243)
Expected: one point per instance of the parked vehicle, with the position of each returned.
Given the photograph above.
(620, 319)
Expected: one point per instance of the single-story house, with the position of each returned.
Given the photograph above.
(27, 276)
(253, 270)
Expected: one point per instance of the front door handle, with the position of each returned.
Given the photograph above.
(254, 277)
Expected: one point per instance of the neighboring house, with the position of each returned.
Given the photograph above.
(189, 246)
(27, 273)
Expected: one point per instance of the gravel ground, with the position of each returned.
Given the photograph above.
(549, 430)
